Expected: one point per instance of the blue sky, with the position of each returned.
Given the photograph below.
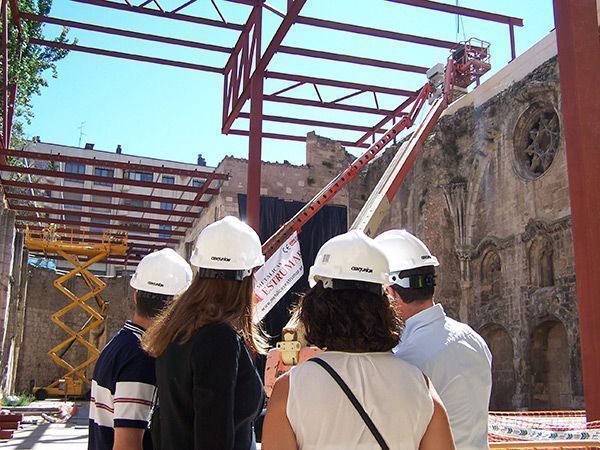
(174, 113)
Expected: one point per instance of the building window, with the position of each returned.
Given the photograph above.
(163, 235)
(76, 168)
(165, 205)
(70, 218)
(103, 172)
(136, 203)
(98, 221)
(139, 176)
(72, 196)
(101, 199)
(167, 179)
(536, 140)
(491, 276)
(197, 183)
(541, 264)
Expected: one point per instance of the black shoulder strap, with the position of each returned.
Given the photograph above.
(354, 401)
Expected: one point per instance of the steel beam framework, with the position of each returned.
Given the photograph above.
(246, 79)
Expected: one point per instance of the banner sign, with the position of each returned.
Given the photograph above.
(277, 276)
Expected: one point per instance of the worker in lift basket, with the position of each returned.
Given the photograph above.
(361, 397)
(124, 382)
(450, 353)
(208, 389)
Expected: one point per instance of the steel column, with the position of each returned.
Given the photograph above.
(579, 65)
(255, 140)
(4, 74)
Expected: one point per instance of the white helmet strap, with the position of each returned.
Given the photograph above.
(222, 274)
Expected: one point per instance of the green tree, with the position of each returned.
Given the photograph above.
(28, 64)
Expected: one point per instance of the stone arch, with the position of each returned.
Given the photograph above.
(550, 365)
(491, 275)
(503, 371)
(541, 262)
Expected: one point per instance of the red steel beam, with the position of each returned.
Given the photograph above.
(101, 226)
(126, 33)
(385, 120)
(340, 84)
(129, 56)
(94, 215)
(4, 17)
(462, 11)
(255, 152)
(351, 59)
(316, 104)
(157, 13)
(91, 204)
(289, 137)
(375, 32)
(113, 180)
(136, 167)
(316, 123)
(15, 14)
(579, 65)
(293, 12)
(84, 234)
(96, 191)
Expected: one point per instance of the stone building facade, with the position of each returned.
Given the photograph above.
(325, 158)
(489, 195)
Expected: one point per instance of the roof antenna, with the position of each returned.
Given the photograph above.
(81, 133)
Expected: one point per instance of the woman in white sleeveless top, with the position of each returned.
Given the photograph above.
(347, 313)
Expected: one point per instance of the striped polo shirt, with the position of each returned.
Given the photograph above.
(122, 389)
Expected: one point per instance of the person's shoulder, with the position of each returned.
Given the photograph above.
(463, 330)
(216, 334)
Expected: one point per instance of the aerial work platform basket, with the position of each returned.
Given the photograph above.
(81, 254)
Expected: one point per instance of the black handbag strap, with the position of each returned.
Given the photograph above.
(363, 414)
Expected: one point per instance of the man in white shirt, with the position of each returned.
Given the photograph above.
(450, 353)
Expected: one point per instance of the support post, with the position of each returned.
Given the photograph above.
(5, 132)
(579, 65)
(513, 49)
(255, 139)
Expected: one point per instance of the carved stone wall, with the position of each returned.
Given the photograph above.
(489, 196)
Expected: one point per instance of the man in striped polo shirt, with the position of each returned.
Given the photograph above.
(124, 382)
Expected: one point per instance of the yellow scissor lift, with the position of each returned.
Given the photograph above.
(71, 247)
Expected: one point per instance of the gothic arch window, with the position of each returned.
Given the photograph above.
(551, 384)
(503, 372)
(536, 140)
(491, 275)
(541, 262)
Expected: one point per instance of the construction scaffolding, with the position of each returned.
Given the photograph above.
(81, 255)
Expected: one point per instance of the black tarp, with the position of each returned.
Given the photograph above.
(327, 223)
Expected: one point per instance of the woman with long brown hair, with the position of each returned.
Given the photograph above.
(209, 391)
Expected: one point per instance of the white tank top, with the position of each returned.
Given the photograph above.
(392, 392)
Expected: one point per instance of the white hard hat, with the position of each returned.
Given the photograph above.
(228, 244)
(405, 251)
(163, 272)
(350, 256)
